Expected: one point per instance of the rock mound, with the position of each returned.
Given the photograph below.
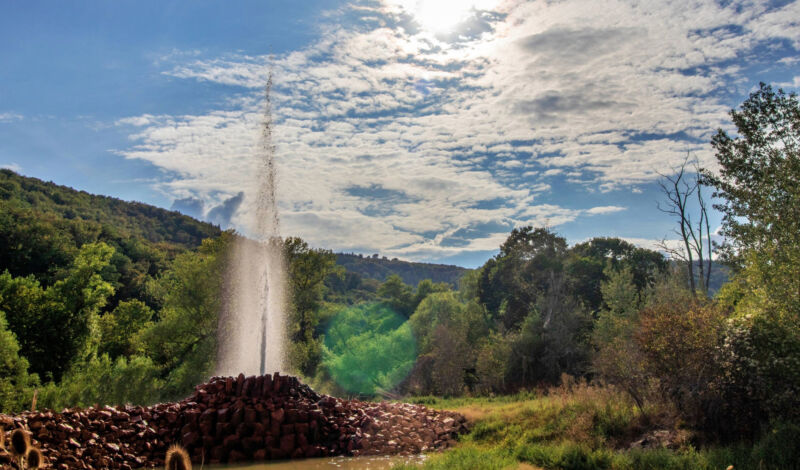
(235, 420)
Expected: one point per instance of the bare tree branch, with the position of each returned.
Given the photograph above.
(679, 188)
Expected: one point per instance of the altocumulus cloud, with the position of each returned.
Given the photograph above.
(390, 138)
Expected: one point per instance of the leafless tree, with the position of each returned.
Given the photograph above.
(686, 203)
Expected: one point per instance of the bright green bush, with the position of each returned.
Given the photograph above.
(369, 349)
(16, 386)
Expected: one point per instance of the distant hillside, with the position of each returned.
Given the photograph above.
(151, 223)
(43, 225)
(719, 276)
(411, 273)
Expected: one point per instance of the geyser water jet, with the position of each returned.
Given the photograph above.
(252, 327)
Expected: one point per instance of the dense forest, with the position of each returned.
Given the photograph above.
(380, 267)
(103, 301)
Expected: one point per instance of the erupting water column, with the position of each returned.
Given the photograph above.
(252, 326)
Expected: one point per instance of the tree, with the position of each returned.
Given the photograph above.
(183, 341)
(54, 325)
(448, 335)
(530, 262)
(590, 261)
(308, 269)
(119, 328)
(369, 349)
(758, 176)
(16, 386)
(681, 189)
(398, 294)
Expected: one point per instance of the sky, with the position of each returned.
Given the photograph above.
(419, 129)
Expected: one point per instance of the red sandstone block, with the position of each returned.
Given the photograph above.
(287, 443)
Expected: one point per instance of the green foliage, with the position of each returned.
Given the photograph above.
(492, 363)
(375, 268)
(43, 226)
(350, 288)
(760, 380)
(183, 340)
(758, 174)
(465, 458)
(399, 295)
(580, 426)
(369, 349)
(679, 343)
(119, 328)
(779, 448)
(101, 213)
(448, 333)
(101, 380)
(528, 262)
(54, 325)
(618, 359)
(308, 269)
(592, 262)
(16, 386)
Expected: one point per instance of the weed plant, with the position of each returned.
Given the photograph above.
(584, 427)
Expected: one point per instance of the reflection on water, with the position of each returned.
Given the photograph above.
(333, 463)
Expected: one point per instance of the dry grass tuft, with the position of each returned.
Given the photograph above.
(177, 459)
(35, 459)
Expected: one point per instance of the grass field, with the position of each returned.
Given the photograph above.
(581, 427)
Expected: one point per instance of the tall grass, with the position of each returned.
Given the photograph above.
(584, 427)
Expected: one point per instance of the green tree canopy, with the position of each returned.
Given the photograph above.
(183, 341)
(526, 267)
(758, 179)
(16, 384)
(308, 269)
(54, 325)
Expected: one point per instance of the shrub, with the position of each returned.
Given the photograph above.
(680, 345)
(760, 379)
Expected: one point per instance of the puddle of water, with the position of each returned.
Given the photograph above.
(330, 463)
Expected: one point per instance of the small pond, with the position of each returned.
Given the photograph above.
(330, 463)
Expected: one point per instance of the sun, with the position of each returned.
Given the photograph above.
(441, 16)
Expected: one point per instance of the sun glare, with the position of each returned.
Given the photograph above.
(442, 16)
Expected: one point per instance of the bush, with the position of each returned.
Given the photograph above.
(103, 381)
(760, 379)
(16, 386)
(680, 344)
(779, 448)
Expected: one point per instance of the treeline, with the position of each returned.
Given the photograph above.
(602, 310)
(607, 311)
(43, 227)
(522, 320)
(381, 267)
(62, 342)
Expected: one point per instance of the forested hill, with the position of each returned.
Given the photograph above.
(23, 194)
(43, 225)
(378, 268)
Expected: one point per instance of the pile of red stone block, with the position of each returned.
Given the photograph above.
(236, 419)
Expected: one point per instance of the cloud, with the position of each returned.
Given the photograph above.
(12, 166)
(601, 210)
(190, 206)
(136, 121)
(795, 83)
(10, 117)
(223, 213)
(576, 46)
(391, 138)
